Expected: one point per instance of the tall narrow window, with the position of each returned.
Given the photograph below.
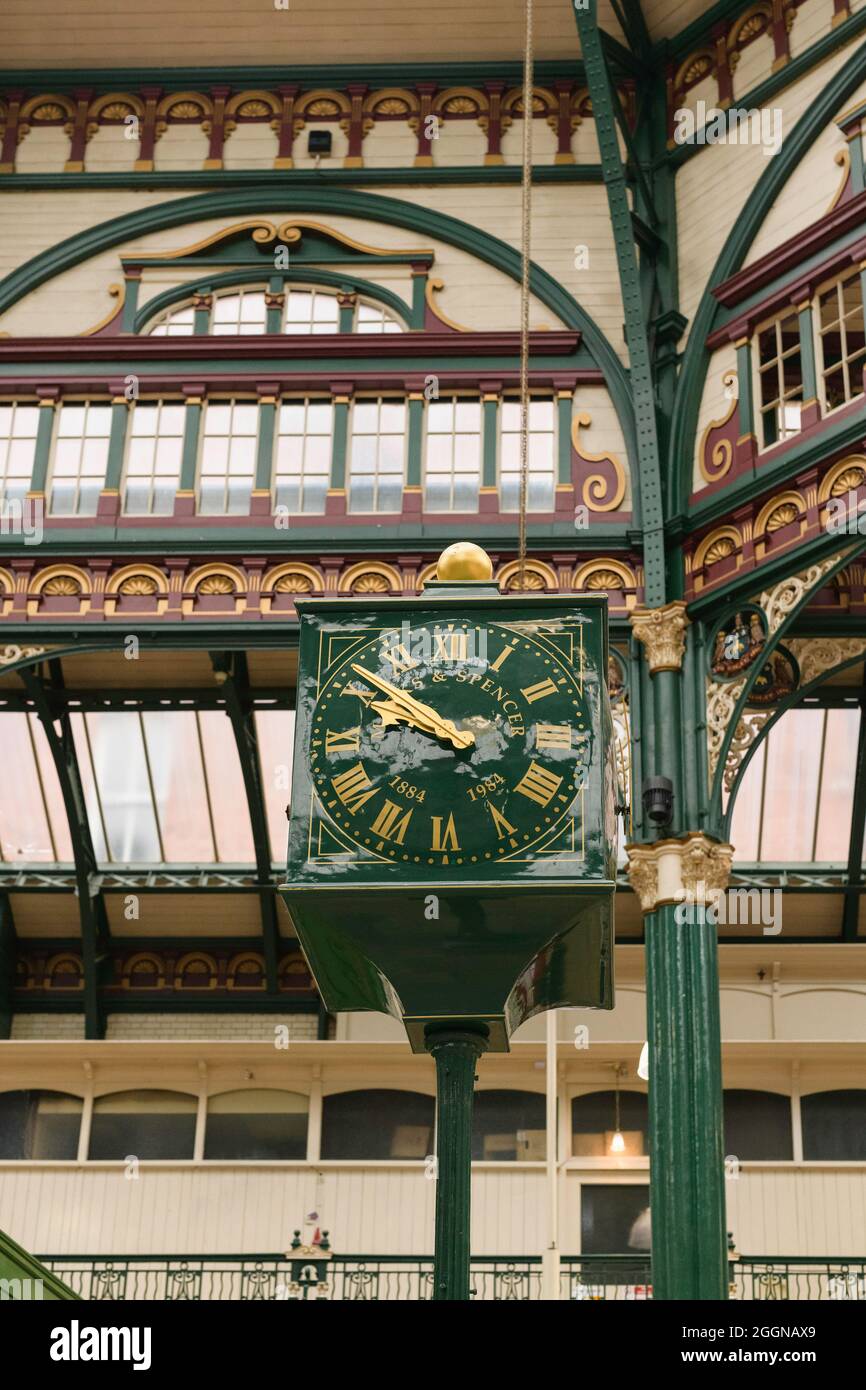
(18, 425)
(153, 459)
(303, 457)
(780, 378)
(241, 313)
(80, 459)
(452, 472)
(175, 323)
(311, 311)
(228, 458)
(843, 343)
(377, 461)
(541, 471)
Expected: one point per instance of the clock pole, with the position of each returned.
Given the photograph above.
(455, 1050)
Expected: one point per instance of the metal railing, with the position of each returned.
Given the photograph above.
(409, 1278)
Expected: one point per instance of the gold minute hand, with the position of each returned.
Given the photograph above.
(417, 713)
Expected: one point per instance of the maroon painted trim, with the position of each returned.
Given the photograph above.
(552, 343)
(322, 382)
(799, 248)
(789, 295)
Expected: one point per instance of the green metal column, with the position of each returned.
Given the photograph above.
(687, 1185)
(455, 1051)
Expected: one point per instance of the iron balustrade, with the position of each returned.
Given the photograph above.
(409, 1278)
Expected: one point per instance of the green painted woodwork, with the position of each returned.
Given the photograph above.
(351, 203)
(21, 1276)
(276, 282)
(42, 451)
(687, 1191)
(511, 830)
(419, 301)
(456, 1052)
(130, 303)
(695, 362)
(415, 442)
(273, 312)
(564, 408)
(265, 445)
(604, 104)
(490, 457)
(116, 444)
(347, 318)
(807, 353)
(340, 444)
(189, 456)
(201, 316)
(744, 387)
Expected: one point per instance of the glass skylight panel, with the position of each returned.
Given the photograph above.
(226, 790)
(276, 738)
(179, 786)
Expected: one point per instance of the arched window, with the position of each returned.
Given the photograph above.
(174, 323)
(834, 1125)
(39, 1124)
(256, 1124)
(143, 1124)
(758, 1125)
(593, 1124)
(372, 318)
(508, 1125)
(243, 310)
(377, 1125)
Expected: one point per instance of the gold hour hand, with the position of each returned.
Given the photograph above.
(401, 705)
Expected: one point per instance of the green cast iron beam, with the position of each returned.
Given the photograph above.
(642, 387)
(456, 1051)
(232, 672)
(57, 727)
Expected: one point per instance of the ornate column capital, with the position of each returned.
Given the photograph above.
(662, 631)
(694, 869)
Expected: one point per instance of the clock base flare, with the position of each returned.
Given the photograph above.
(491, 955)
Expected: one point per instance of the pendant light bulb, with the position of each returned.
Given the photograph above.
(617, 1143)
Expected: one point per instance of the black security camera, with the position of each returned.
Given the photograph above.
(658, 799)
(319, 142)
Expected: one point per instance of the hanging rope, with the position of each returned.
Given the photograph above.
(525, 247)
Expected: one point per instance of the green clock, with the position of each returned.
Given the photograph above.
(451, 848)
(450, 744)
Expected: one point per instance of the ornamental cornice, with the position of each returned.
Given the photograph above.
(695, 869)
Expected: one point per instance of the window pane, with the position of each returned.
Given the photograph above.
(508, 1125)
(146, 1124)
(227, 794)
(39, 1125)
(120, 768)
(179, 786)
(793, 757)
(834, 1125)
(758, 1125)
(593, 1123)
(24, 836)
(837, 786)
(614, 1220)
(256, 1125)
(377, 1125)
(276, 736)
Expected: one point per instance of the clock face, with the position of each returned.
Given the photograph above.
(451, 743)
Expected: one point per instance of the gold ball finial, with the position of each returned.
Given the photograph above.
(463, 560)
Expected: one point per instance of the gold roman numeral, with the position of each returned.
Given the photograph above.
(498, 663)
(391, 822)
(537, 692)
(351, 787)
(340, 741)
(447, 839)
(553, 735)
(368, 696)
(503, 827)
(539, 784)
(451, 646)
(399, 658)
